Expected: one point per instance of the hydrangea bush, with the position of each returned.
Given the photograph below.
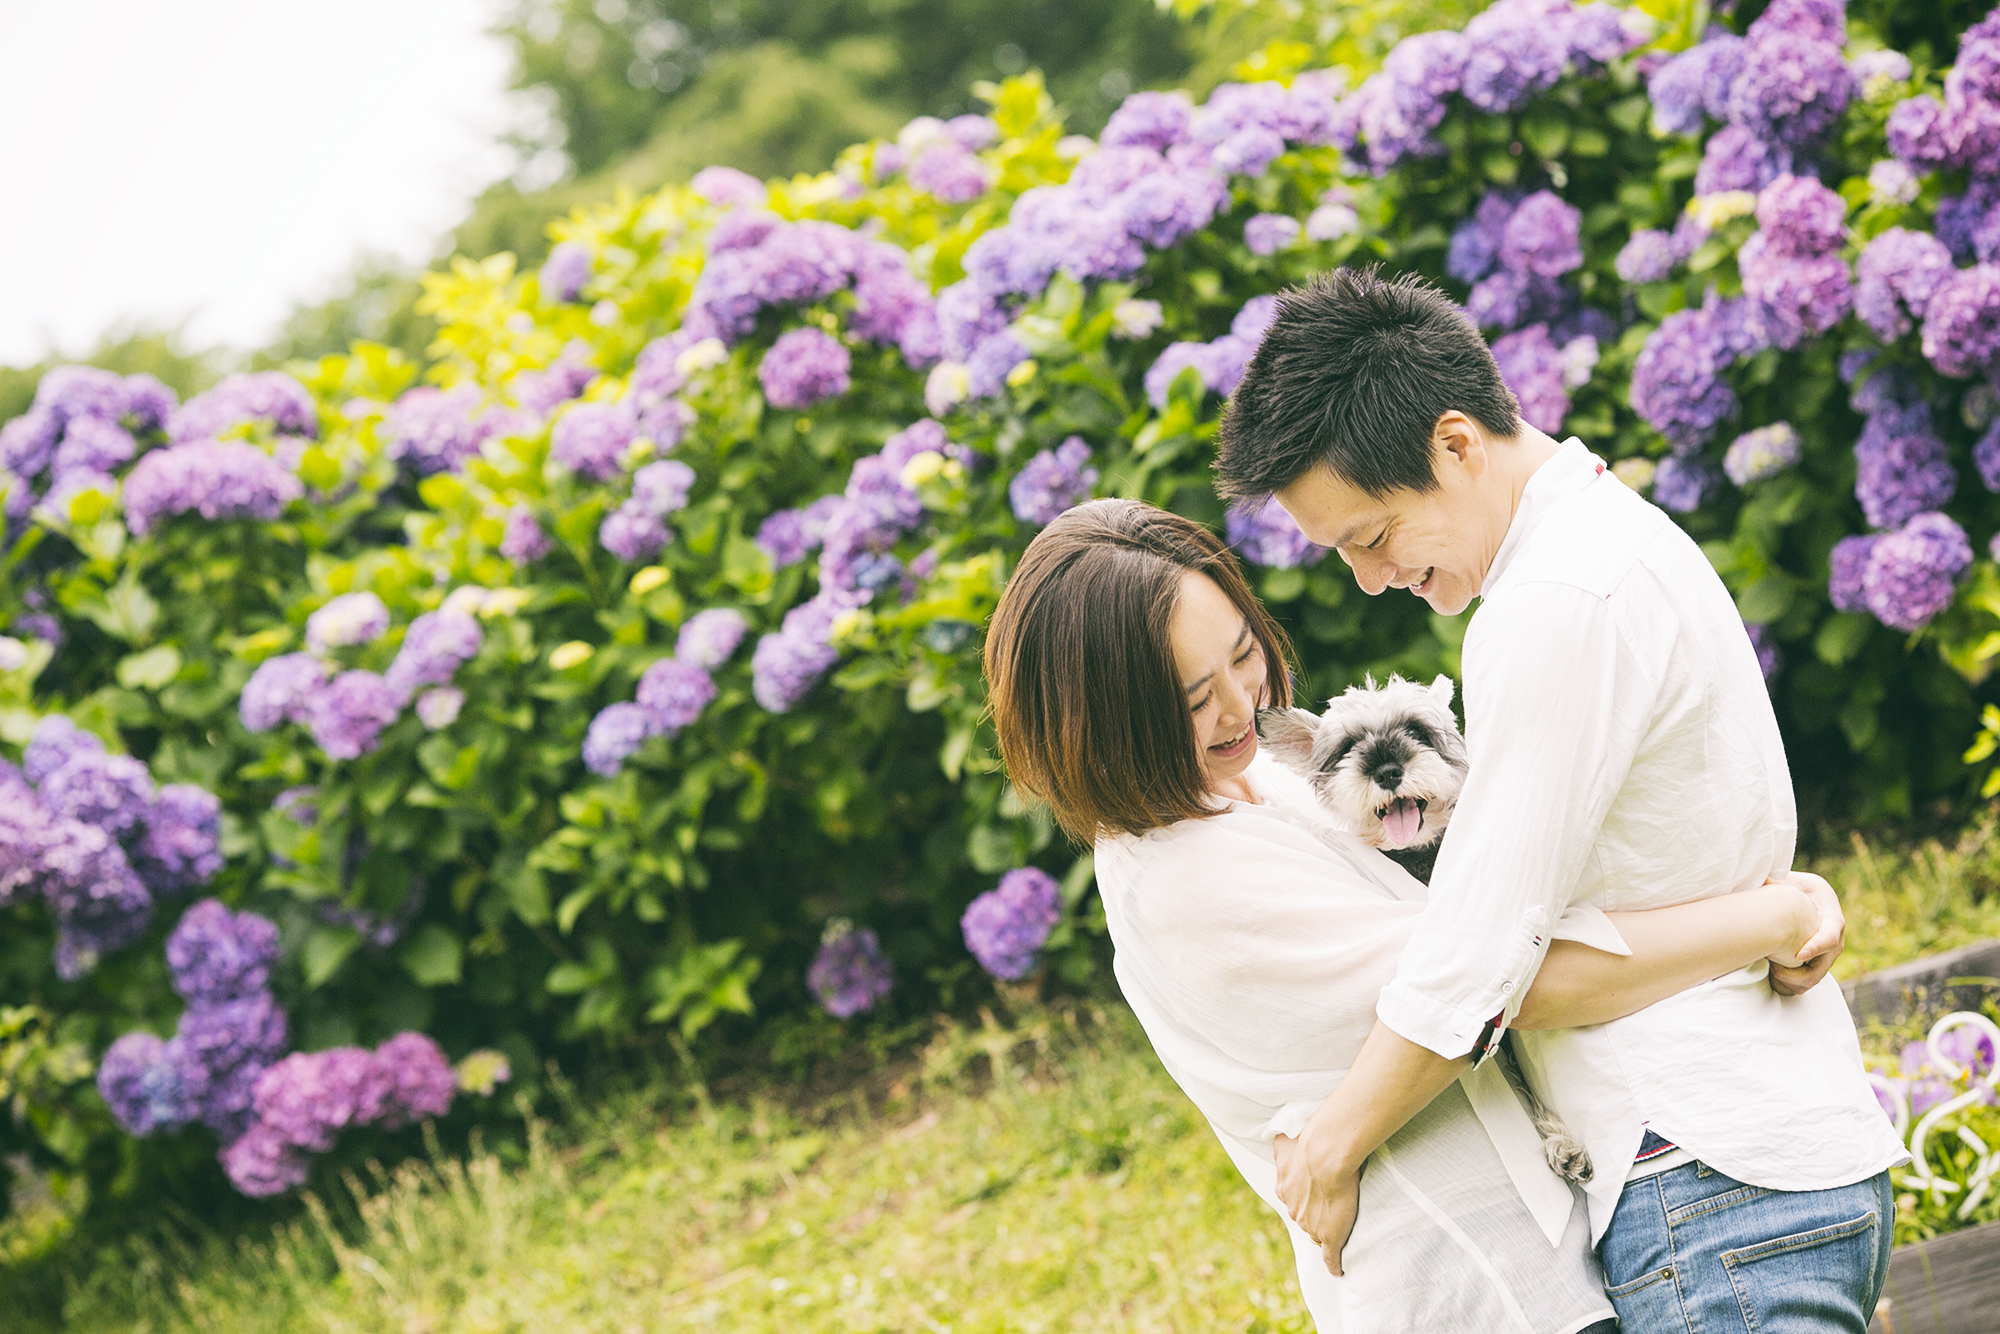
(619, 668)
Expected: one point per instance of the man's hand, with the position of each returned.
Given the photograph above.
(1797, 973)
(1322, 1203)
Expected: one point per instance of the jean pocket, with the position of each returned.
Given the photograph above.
(1650, 1302)
(1810, 1281)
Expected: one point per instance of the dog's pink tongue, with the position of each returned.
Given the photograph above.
(1401, 822)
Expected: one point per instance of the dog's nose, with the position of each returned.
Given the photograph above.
(1388, 777)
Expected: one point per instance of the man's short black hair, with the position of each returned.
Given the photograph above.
(1354, 373)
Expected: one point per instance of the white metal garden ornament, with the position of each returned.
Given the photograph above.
(1982, 1088)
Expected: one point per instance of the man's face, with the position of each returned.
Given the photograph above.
(1438, 544)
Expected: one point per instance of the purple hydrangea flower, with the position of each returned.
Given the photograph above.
(1849, 560)
(113, 792)
(308, 1098)
(524, 542)
(944, 168)
(804, 367)
(439, 707)
(1647, 258)
(220, 1050)
(1807, 20)
(141, 1086)
(1765, 644)
(348, 716)
(28, 442)
(351, 618)
(1266, 535)
(1677, 383)
(1912, 573)
(1962, 324)
(590, 439)
(260, 1163)
(1515, 52)
(565, 272)
(1736, 159)
(228, 480)
(789, 663)
(1901, 468)
(74, 392)
(1898, 274)
(1532, 366)
(421, 1083)
(182, 846)
(1052, 482)
(1268, 233)
(616, 733)
(1150, 120)
(280, 690)
(1166, 206)
(709, 638)
(662, 488)
(148, 405)
(435, 646)
(92, 444)
(1917, 133)
(252, 396)
(727, 187)
(437, 431)
(1681, 484)
(541, 392)
(675, 693)
(1799, 217)
(1762, 453)
(1005, 926)
(850, 973)
(1166, 368)
(633, 533)
(1795, 295)
(783, 538)
(55, 741)
(217, 955)
(1542, 236)
(1792, 91)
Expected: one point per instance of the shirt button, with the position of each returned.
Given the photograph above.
(1506, 988)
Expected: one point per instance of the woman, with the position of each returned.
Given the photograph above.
(1127, 660)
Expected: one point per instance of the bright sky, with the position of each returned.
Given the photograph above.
(216, 160)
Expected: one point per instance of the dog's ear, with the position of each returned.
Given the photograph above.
(1288, 735)
(1441, 690)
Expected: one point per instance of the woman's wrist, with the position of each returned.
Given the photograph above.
(1794, 918)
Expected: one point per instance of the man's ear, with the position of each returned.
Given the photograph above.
(1463, 439)
(1288, 735)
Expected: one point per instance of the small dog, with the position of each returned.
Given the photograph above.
(1388, 763)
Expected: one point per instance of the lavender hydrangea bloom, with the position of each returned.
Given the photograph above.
(789, 663)
(782, 536)
(1266, 535)
(1166, 368)
(1762, 453)
(420, 1079)
(1849, 560)
(1898, 272)
(260, 1163)
(1005, 926)
(1531, 365)
(280, 690)
(850, 973)
(439, 707)
(1901, 468)
(112, 792)
(348, 716)
(1736, 159)
(662, 488)
(1677, 383)
(435, 646)
(1515, 52)
(709, 638)
(542, 391)
(141, 1086)
(1542, 236)
(804, 367)
(1796, 295)
(1475, 245)
(1986, 456)
(987, 369)
(590, 439)
(1167, 206)
(1791, 92)
(437, 431)
(75, 392)
(351, 618)
(182, 846)
(1648, 257)
(945, 169)
(1268, 233)
(94, 445)
(1149, 120)
(251, 396)
(227, 480)
(565, 272)
(1681, 484)
(725, 187)
(1807, 20)
(524, 542)
(220, 1050)
(675, 693)
(633, 533)
(1798, 216)
(29, 441)
(1912, 573)
(616, 733)
(1052, 482)
(308, 1098)
(1962, 324)
(1917, 133)
(55, 741)
(217, 955)
(148, 404)
(1695, 82)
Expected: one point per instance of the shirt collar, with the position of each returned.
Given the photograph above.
(1564, 473)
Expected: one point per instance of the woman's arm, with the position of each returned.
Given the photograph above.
(1672, 949)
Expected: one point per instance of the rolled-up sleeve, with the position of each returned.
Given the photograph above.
(1556, 707)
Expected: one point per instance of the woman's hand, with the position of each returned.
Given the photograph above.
(1323, 1203)
(1822, 930)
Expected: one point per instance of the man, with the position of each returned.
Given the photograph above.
(1624, 755)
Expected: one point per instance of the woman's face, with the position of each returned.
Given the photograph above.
(1222, 674)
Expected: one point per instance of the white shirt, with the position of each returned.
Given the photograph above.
(1252, 947)
(1624, 755)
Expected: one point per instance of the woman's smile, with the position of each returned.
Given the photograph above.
(1236, 745)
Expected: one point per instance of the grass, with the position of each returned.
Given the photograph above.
(1041, 1174)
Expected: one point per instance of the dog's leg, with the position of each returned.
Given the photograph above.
(1565, 1153)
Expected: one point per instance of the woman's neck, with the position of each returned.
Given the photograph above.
(1236, 789)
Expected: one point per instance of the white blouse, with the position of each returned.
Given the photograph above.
(1252, 946)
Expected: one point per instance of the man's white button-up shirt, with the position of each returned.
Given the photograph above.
(1625, 756)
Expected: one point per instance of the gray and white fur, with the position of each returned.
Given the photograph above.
(1388, 763)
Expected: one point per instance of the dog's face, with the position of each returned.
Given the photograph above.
(1385, 760)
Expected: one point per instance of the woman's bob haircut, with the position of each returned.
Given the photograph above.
(1087, 700)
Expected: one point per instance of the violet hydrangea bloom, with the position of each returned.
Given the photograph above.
(218, 480)
(782, 537)
(1762, 453)
(542, 391)
(804, 367)
(1005, 926)
(1681, 484)
(250, 396)
(524, 542)
(1912, 573)
(850, 973)
(420, 1080)
(633, 533)
(565, 272)
(615, 734)
(351, 618)
(1266, 535)
(348, 716)
(1901, 466)
(1531, 365)
(437, 431)
(1052, 482)
(71, 393)
(1962, 325)
(1648, 257)
(1897, 275)
(220, 1051)
(54, 741)
(436, 645)
(1542, 236)
(439, 707)
(675, 693)
(709, 638)
(590, 439)
(112, 792)
(1268, 233)
(789, 663)
(662, 488)
(1149, 120)
(1677, 383)
(945, 169)
(92, 444)
(260, 1163)
(1792, 90)
(217, 955)
(1849, 560)
(141, 1087)
(181, 848)
(280, 690)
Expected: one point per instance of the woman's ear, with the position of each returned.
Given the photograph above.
(1288, 734)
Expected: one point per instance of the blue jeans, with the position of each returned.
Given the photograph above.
(1691, 1251)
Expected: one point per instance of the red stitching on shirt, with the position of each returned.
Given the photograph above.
(1600, 470)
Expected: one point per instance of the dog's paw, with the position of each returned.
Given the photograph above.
(1568, 1158)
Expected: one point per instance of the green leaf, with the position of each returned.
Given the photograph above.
(992, 849)
(1766, 600)
(151, 669)
(326, 949)
(432, 956)
(1841, 636)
